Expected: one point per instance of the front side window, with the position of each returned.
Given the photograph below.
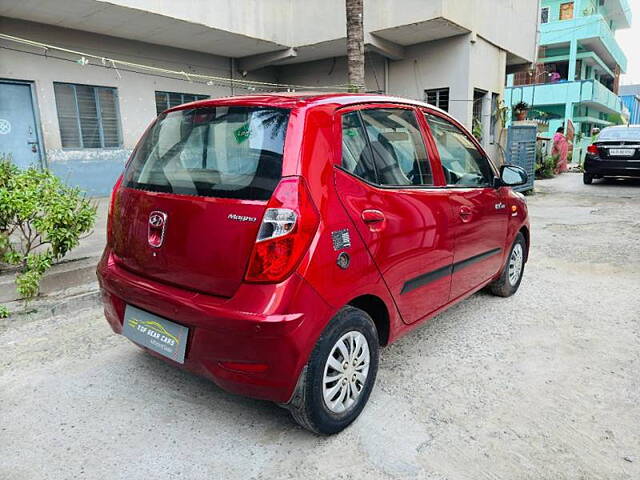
(462, 163)
(231, 152)
(398, 149)
(88, 116)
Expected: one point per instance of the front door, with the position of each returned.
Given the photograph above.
(386, 185)
(18, 132)
(479, 210)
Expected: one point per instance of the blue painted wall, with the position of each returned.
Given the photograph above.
(94, 171)
(632, 102)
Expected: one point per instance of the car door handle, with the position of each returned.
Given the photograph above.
(372, 216)
(465, 214)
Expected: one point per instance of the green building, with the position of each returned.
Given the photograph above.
(578, 69)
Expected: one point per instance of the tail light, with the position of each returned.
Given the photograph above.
(592, 149)
(112, 201)
(288, 226)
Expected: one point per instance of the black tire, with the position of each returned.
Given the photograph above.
(309, 408)
(587, 178)
(503, 286)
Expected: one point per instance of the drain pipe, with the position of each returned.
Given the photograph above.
(233, 67)
(386, 76)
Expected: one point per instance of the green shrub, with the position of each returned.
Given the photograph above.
(41, 220)
(477, 129)
(546, 169)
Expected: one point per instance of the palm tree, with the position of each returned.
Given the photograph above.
(355, 45)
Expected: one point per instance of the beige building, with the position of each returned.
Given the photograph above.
(80, 111)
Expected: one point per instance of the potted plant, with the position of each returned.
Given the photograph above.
(521, 108)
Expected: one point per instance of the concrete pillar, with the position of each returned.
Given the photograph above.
(573, 47)
(568, 114)
(510, 80)
(577, 8)
(573, 52)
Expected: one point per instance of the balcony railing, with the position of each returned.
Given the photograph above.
(581, 28)
(602, 95)
(536, 78)
(560, 93)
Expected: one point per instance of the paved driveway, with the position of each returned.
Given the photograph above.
(544, 385)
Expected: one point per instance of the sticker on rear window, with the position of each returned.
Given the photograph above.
(341, 239)
(242, 133)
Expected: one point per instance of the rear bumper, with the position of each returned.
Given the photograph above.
(613, 168)
(220, 332)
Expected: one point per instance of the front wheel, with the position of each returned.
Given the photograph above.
(340, 374)
(511, 276)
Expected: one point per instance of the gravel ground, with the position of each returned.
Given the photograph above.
(543, 385)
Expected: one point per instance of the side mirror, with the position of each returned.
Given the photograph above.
(512, 175)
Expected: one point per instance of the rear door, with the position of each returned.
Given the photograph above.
(386, 184)
(479, 210)
(194, 194)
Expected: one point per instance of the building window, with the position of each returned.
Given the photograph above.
(495, 117)
(88, 116)
(477, 113)
(438, 97)
(544, 15)
(166, 100)
(566, 11)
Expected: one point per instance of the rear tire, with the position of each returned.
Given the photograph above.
(334, 389)
(511, 276)
(587, 178)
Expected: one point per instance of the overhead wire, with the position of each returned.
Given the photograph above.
(162, 72)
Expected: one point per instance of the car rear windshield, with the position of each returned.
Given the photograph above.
(230, 152)
(628, 133)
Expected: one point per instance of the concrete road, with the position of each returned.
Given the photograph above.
(543, 385)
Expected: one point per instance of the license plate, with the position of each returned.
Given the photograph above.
(621, 152)
(156, 333)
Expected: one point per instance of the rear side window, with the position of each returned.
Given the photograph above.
(356, 155)
(398, 150)
(230, 152)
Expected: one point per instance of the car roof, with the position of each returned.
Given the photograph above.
(302, 99)
(620, 127)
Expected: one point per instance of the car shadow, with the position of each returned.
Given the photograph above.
(622, 182)
(220, 409)
(203, 393)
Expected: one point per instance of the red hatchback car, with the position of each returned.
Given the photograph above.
(274, 242)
